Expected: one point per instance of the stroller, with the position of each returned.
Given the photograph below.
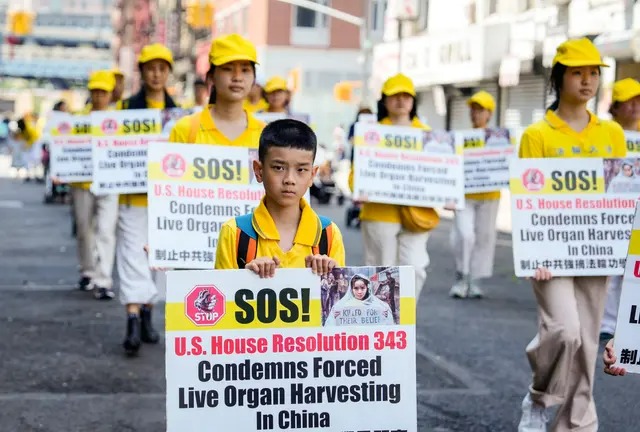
(54, 191)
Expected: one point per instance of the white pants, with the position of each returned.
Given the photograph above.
(389, 244)
(610, 319)
(137, 285)
(96, 218)
(473, 238)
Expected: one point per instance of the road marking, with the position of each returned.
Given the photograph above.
(30, 287)
(11, 204)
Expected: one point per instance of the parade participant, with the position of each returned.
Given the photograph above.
(96, 216)
(201, 93)
(473, 236)
(569, 308)
(116, 95)
(283, 231)
(255, 101)
(278, 95)
(609, 359)
(625, 110)
(392, 234)
(138, 290)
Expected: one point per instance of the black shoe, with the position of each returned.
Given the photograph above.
(84, 284)
(132, 341)
(103, 293)
(148, 333)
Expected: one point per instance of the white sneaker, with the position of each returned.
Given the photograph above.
(534, 417)
(459, 289)
(475, 291)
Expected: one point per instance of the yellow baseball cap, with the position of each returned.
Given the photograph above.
(155, 52)
(117, 72)
(578, 52)
(102, 80)
(625, 89)
(484, 99)
(233, 47)
(275, 83)
(398, 84)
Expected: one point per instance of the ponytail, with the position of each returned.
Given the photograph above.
(554, 85)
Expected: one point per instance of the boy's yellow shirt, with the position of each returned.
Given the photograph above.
(552, 137)
(307, 236)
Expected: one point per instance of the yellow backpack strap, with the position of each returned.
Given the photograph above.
(194, 128)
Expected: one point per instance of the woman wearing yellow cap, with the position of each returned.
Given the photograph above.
(387, 240)
(96, 216)
(474, 231)
(138, 290)
(625, 110)
(278, 95)
(563, 352)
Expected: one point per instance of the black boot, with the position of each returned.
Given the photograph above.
(132, 341)
(148, 333)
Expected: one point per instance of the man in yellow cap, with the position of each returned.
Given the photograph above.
(474, 232)
(625, 110)
(96, 216)
(138, 290)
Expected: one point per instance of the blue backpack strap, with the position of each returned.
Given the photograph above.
(326, 237)
(246, 240)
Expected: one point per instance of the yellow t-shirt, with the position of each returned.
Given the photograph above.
(208, 133)
(307, 236)
(386, 212)
(139, 200)
(552, 137)
(253, 108)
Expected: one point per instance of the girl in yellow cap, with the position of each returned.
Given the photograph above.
(138, 290)
(95, 216)
(569, 308)
(278, 95)
(625, 110)
(387, 241)
(473, 236)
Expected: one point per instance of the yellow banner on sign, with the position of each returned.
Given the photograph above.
(634, 243)
(549, 186)
(177, 320)
(218, 172)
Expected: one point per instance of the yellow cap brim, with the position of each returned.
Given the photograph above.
(580, 63)
(273, 89)
(481, 103)
(628, 96)
(400, 89)
(97, 86)
(235, 57)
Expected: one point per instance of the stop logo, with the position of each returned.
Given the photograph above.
(204, 305)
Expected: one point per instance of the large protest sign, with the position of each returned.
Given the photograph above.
(120, 141)
(407, 166)
(69, 138)
(573, 215)
(193, 190)
(627, 341)
(251, 354)
(487, 154)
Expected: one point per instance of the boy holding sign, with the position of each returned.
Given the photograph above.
(283, 231)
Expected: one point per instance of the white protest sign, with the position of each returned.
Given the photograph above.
(627, 342)
(407, 166)
(193, 190)
(70, 147)
(487, 154)
(120, 140)
(269, 117)
(248, 354)
(572, 215)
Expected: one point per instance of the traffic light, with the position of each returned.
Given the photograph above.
(20, 22)
(343, 91)
(294, 80)
(200, 14)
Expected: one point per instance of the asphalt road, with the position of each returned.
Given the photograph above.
(62, 368)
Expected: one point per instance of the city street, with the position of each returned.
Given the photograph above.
(63, 367)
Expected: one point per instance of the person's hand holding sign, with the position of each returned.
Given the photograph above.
(265, 267)
(542, 274)
(320, 264)
(609, 359)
